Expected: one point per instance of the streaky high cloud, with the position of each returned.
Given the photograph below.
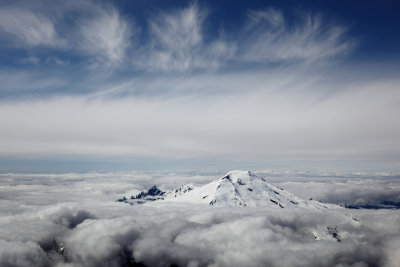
(203, 125)
(178, 41)
(180, 82)
(98, 34)
(106, 35)
(269, 36)
(24, 28)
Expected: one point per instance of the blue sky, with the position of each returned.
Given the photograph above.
(103, 85)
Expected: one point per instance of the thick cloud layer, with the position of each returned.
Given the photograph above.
(354, 190)
(73, 220)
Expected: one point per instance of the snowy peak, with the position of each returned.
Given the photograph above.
(240, 189)
(238, 177)
(243, 188)
(235, 189)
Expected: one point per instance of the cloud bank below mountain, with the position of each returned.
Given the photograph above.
(43, 213)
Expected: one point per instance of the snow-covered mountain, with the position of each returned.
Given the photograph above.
(235, 189)
(244, 189)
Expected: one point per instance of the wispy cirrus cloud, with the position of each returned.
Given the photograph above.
(269, 36)
(178, 42)
(98, 32)
(175, 40)
(237, 125)
(25, 28)
(222, 93)
(106, 35)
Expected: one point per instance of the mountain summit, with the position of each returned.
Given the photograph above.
(243, 188)
(235, 189)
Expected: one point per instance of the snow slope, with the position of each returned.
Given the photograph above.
(235, 189)
(243, 188)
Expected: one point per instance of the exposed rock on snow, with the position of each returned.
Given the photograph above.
(235, 189)
(243, 188)
(151, 194)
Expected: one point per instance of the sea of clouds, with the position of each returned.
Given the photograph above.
(74, 220)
